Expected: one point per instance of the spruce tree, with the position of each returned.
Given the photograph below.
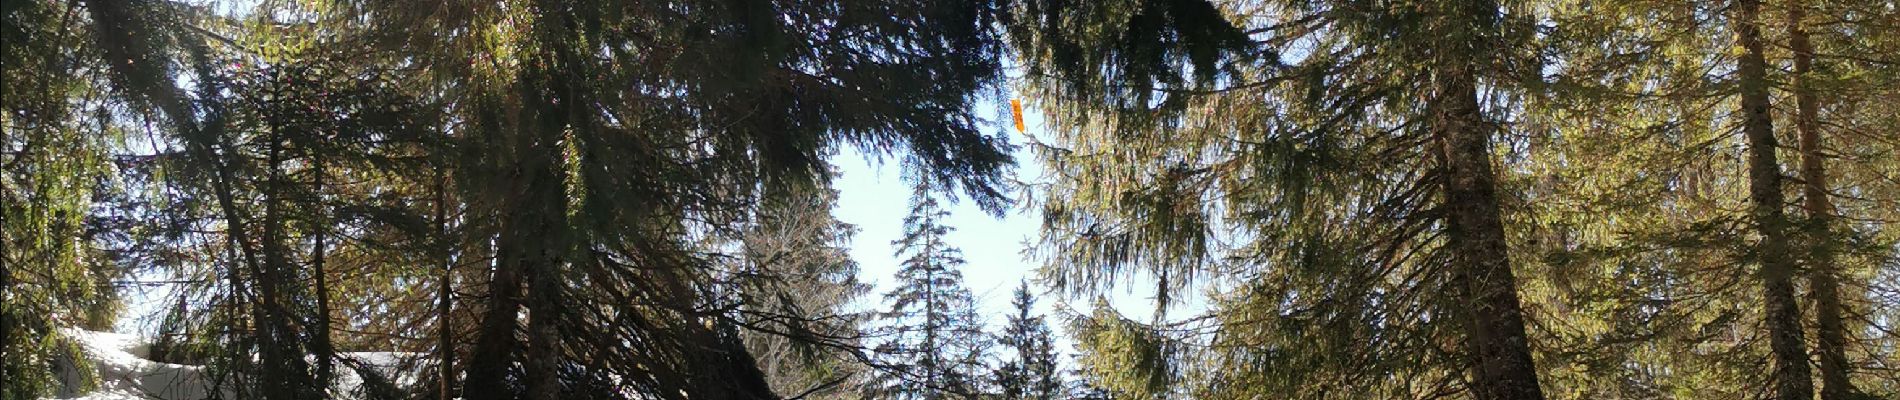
(1336, 160)
(666, 123)
(612, 199)
(55, 170)
(1791, 373)
(1031, 372)
(794, 272)
(933, 341)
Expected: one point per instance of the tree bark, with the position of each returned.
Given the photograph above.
(286, 375)
(545, 289)
(325, 351)
(494, 352)
(1823, 274)
(529, 252)
(1500, 353)
(557, 76)
(6, 275)
(1499, 362)
(1790, 370)
(445, 336)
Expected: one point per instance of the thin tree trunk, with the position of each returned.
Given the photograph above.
(239, 334)
(6, 275)
(1500, 352)
(1823, 272)
(931, 350)
(275, 377)
(320, 331)
(445, 336)
(1783, 315)
(284, 373)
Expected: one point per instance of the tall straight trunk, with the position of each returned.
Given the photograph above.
(270, 355)
(1500, 364)
(6, 275)
(1824, 274)
(544, 339)
(285, 374)
(1783, 315)
(445, 341)
(557, 77)
(528, 255)
(528, 252)
(324, 350)
(494, 352)
(445, 334)
(931, 361)
(542, 259)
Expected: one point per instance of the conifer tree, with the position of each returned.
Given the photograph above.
(1822, 76)
(796, 276)
(1640, 193)
(55, 170)
(609, 199)
(1031, 372)
(933, 345)
(1349, 149)
(691, 116)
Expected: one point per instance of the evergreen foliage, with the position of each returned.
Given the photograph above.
(933, 343)
(796, 278)
(1031, 371)
(603, 199)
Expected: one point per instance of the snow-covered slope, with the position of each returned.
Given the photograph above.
(125, 373)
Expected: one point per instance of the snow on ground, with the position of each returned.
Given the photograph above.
(126, 374)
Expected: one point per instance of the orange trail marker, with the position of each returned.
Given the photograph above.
(1016, 110)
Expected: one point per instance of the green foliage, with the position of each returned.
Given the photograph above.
(798, 282)
(1127, 358)
(933, 345)
(1302, 185)
(1032, 373)
(612, 199)
(54, 141)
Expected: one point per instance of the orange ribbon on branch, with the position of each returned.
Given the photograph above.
(1016, 110)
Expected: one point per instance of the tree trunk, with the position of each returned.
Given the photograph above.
(529, 252)
(285, 373)
(931, 350)
(324, 350)
(1823, 272)
(6, 275)
(558, 78)
(1500, 352)
(1783, 315)
(445, 336)
(544, 305)
(494, 352)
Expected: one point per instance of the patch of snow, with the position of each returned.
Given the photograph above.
(125, 373)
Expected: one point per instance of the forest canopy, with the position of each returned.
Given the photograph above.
(603, 199)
